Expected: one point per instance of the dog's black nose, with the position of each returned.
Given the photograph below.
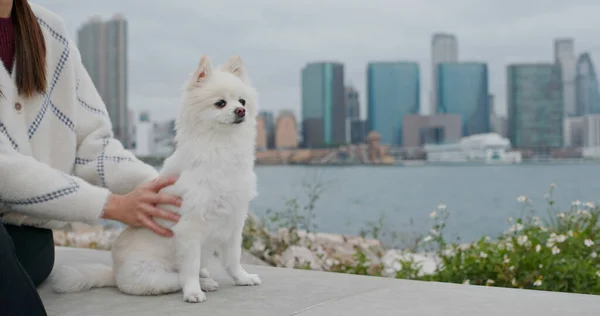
(240, 112)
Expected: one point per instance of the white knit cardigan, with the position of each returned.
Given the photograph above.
(58, 158)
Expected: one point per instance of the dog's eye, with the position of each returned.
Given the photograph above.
(242, 101)
(221, 103)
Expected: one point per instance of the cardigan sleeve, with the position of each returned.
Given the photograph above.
(101, 159)
(33, 188)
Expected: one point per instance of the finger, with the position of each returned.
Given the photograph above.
(165, 199)
(156, 212)
(153, 226)
(160, 183)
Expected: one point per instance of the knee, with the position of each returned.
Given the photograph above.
(44, 264)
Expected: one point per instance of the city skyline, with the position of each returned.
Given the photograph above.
(275, 48)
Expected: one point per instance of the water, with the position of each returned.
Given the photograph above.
(478, 198)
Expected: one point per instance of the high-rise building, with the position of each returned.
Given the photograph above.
(497, 122)
(352, 114)
(591, 130)
(261, 133)
(269, 125)
(286, 130)
(444, 48)
(323, 104)
(144, 143)
(393, 90)
(587, 94)
(573, 131)
(103, 47)
(564, 55)
(535, 107)
(463, 89)
(352, 103)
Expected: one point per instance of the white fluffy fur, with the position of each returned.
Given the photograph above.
(214, 160)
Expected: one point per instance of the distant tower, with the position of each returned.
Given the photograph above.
(103, 48)
(444, 48)
(564, 55)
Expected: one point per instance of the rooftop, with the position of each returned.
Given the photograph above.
(302, 292)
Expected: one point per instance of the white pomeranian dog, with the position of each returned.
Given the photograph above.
(214, 160)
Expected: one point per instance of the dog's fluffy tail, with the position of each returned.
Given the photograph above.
(77, 278)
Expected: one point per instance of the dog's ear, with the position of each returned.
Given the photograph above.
(235, 66)
(203, 72)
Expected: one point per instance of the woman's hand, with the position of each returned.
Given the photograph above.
(137, 207)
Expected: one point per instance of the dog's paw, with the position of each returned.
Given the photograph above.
(194, 297)
(247, 280)
(192, 293)
(208, 285)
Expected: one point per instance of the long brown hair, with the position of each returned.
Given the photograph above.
(30, 50)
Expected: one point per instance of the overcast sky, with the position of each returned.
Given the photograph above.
(277, 37)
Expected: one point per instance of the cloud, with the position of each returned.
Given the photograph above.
(276, 38)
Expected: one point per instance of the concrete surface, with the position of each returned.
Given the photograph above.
(299, 292)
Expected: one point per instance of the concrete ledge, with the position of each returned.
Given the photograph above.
(300, 292)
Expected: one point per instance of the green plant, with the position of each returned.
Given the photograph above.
(297, 215)
(558, 254)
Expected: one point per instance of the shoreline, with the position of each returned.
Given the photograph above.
(298, 249)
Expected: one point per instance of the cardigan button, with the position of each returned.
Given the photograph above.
(18, 107)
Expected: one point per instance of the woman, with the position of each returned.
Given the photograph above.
(58, 160)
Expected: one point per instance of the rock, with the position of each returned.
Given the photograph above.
(297, 256)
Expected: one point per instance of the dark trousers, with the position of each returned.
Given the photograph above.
(26, 260)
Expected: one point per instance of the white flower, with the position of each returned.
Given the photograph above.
(490, 282)
(522, 199)
(509, 246)
(397, 266)
(541, 266)
(537, 282)
(435, 232)
(570, 233)
(516, 228)
(506, 259)
(585, 213)
(561, 238)
(514, 282)
(588, 242)
(483, 255)
(598, 273)
(561, 215)
(553, 186)
(441, 206)
(555, 250)
(589, 205)
(522, 240)
(594, 255)
(510, 219)
(538, 248)
(511, 268)
(576, 203)
(427, 238)
(467, 282)
(433, 214)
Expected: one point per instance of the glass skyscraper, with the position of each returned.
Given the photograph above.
(462, 88)
(535, 106)
(393, 90)
(323, 104)
(586, 82)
